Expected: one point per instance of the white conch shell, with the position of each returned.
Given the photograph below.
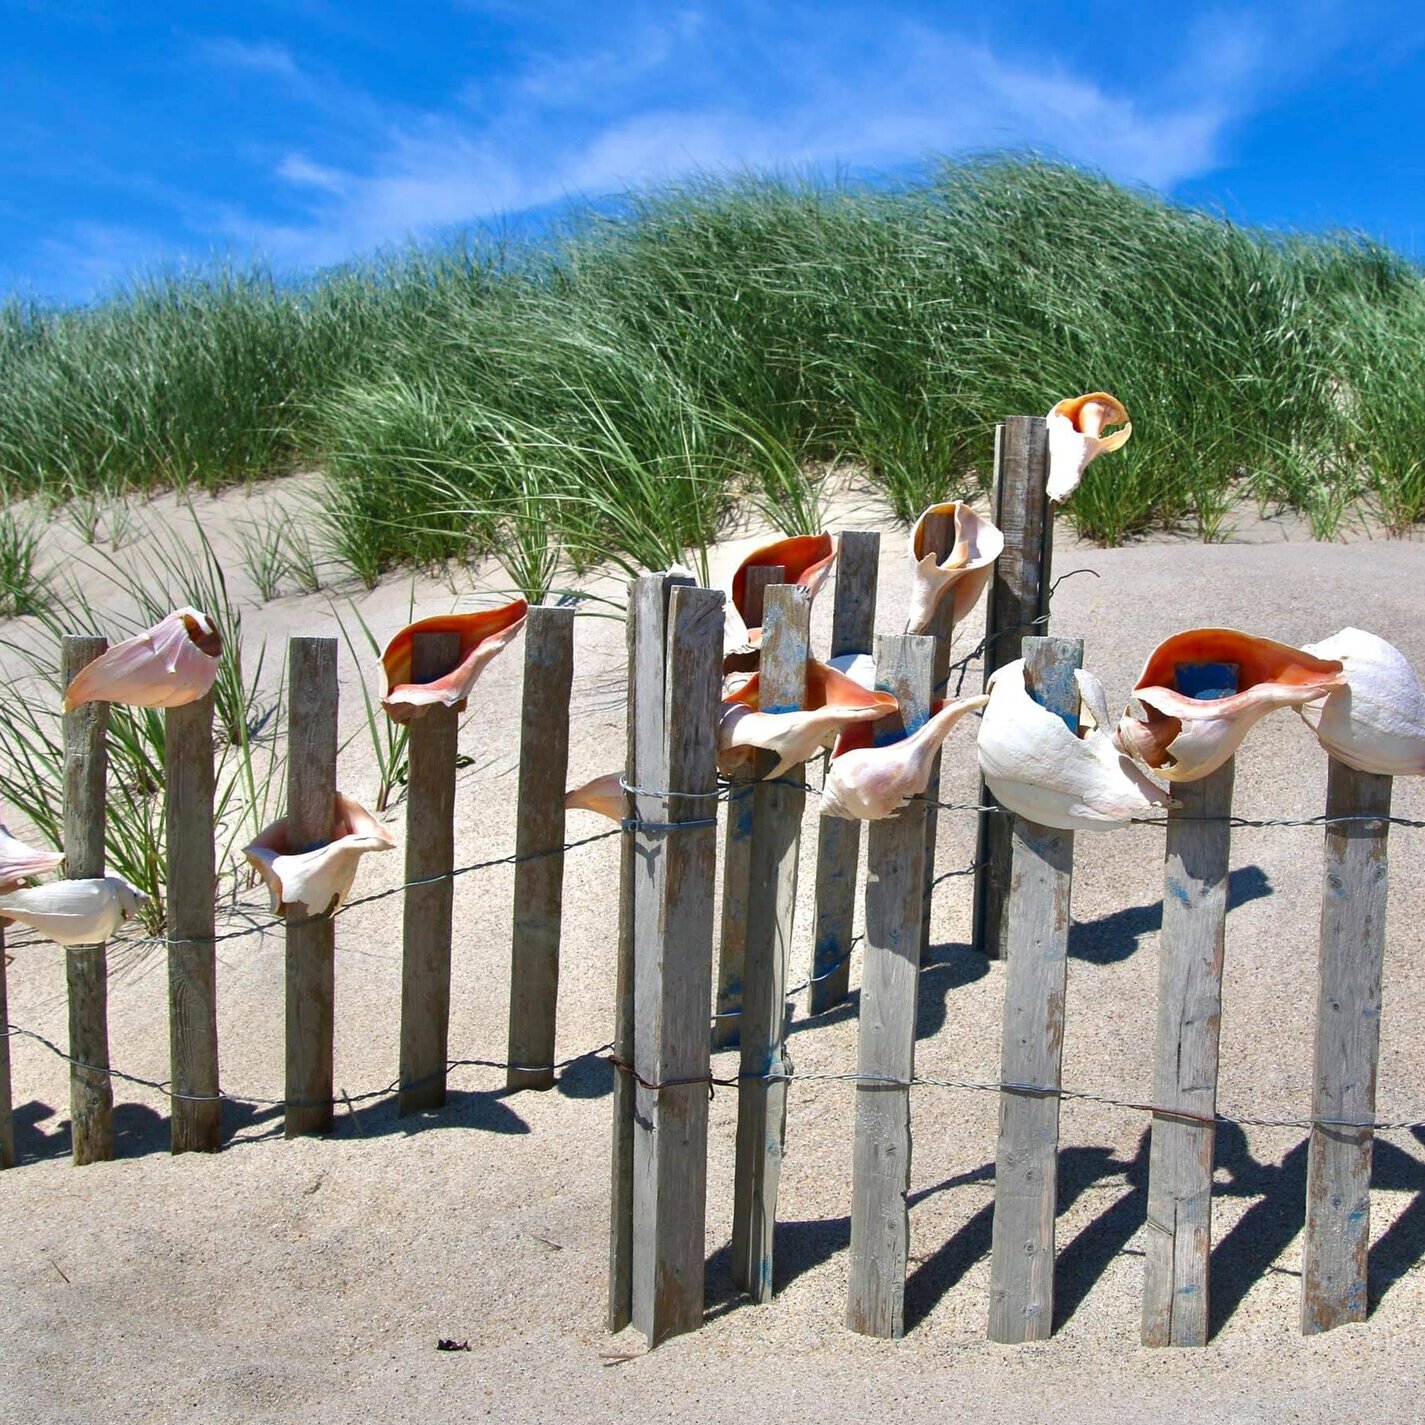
(604, 795)
(1181, 738)
(482, 635)
(868, 783)
(173, 663)
(1036, 767)
(965, 570)
(318, 881)
(806, 559)
(81, 912)
(1076, 437)
(1376, 723)
(859, 667)
(18, 862)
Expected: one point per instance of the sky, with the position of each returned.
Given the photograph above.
(137, 136)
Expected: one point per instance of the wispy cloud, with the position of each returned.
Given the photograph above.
(251, 57)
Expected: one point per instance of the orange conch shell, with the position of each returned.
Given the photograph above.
(166, 666)
(604, 795)
(806, 560)
(964, 572)
(482, 635)
(1076, 437)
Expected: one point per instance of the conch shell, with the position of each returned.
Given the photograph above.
(806, 560)
(1076, 437)
(1037, 767)
(166, 666)
(82, 912)
(18, 862)
(318, 881)
(832, 701)
(604, 795)
(482, 635)
(966, 569)
(1183, 738)
(866, 783)
(1376, 723)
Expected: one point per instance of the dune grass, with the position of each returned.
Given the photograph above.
(612, 391)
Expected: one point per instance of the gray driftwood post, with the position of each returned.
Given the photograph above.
(430, 858)
(838, 847)
(1018, 596)
(196, 1123)
(1343, 1099)
(86, 761)
(673, 946)
(895, 858)
(7, 1119)
(1032, 1047)
(737, 854)
(311, 938)
(539, 836)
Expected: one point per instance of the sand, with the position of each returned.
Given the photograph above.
(310, 1281)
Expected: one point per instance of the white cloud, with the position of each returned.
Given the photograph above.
(254, 57)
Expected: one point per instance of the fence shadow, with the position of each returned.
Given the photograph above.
(482, 1110)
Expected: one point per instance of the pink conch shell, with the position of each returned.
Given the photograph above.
(83, 912)
(19, 862)
(482, 635)
(1076, 437)
(866, 783)
(166, 666)
(806, 560)
(1038, 768)
(965, 570)
(832, 701)
(1376, 723)
(604, 795)
(1182, 738)
(316, 882)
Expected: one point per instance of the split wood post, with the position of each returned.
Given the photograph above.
(539, 842)
(673, 947)
(895, 857)
(838, 847)
(1195, 882)
(1343, 1098)
(427, 914)
(1032, 1048)
(645, 766)
(1018, 599)
(737, 853)
(196, 1122)
(311, 937)
(7, 1118)
(777, 808)
(86, 764)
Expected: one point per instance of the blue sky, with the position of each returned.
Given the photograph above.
(136, 135)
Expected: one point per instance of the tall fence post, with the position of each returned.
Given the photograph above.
(196, 1124)
(895, 857)
(86, 763)
(776, 834)
(737, 852)
(673, 978)
(1343, 1097)
(838, 846)
(311, 938)
(428, 911)
(7, 1106)
(1018, 599)
(539, 843)
(1032, 1047)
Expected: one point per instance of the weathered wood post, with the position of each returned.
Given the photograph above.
(7, 1115)
(429, 905)
(1032, 1048)
(772, 893)
(895, 856)
(838, 847)
(539, 880)
(1343, 1097)
(86, 763)
(196, 1123)
(1018, 596)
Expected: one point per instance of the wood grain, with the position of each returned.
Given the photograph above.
(7, 1105)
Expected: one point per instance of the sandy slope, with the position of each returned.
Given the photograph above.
(310, 1280)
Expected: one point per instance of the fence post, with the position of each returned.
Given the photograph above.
(895, 857)
(1018, 597)
(86, 763)
(1032, 1047)
(311, 939)
(1338, 1172)
(673, 978)
(539, 835)
(737, 853)
(196, 1123)
(838, 846)
(428, 909)
(772, 892)
(7, 1117)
